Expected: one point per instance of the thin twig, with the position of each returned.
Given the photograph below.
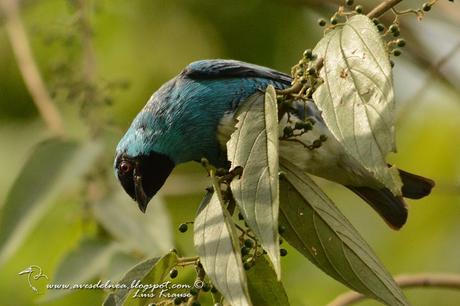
(443, 281)
(28, 67)
(380, 9)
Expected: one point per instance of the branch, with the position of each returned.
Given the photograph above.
(28, 68)
(380, 9)
(443, 281)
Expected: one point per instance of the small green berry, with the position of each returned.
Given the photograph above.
(247, 265)
(245, 251)
(393, 28)
(193, 291)
(283, 252)
(333, 20)
(380, 27)
(248, 243)
(281, 229)
(396, 52)
(206, 287)
(183, 228)
(321, 22)
(308, 54)
(401, 42)
(349, 2)
(173, 273)
(359, 9)
(426, 7)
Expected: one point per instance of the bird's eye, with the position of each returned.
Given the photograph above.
(125, 167)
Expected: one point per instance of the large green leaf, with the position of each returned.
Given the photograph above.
(357, 98)
(81, 265)
(217, 245)
(53, 165)
(149, 272)
(318, 230)
(254, 146)
(148, 233)
(264, 287)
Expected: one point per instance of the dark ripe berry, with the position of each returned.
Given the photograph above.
(196, 303)
(283, 252)
(247, 265)
(393, 28)
(322, 137)
(333, 20)
(240, 216)
(193, 291)
(349, 2)
(396, 52)
(426, 7)
(214, 289)
(375, 21)
(183, 228)
(401, 42)
(206, 287)
(321, 22)
(245, 251)
(311, 71)
(173, 273)
(287, 132)
(359, 9)
(392, 64)
(248, 243)
(281, 228)
(177, 301)
(396, 34)
(281, 241)
(380, 27)
(308, 54)
(316, 143)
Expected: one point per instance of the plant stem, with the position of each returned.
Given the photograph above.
(28, 67)
(444, 281)
(380, 9)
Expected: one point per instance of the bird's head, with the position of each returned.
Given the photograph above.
(141, 169)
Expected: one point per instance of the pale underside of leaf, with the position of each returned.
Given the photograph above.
(254, 146)
(357, 97)
(217, 245)
(318, 230)
(151, 271)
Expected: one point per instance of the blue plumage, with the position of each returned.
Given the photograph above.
(180, 123)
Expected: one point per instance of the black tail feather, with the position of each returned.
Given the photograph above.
(391, 208)
(415, 186)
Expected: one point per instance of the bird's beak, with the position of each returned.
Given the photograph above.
(141, 198)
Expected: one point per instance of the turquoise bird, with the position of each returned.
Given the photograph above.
(191, 117)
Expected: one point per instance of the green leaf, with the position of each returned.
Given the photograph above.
(318, 230)
(357, 98)
(81, 265)
(264, 287)
(54, 165)
(149, 233)
(217, 245)
(254, 146)
(151, 271)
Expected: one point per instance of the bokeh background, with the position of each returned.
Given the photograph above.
(101, 61)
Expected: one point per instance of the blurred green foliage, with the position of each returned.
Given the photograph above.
(135, 46)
